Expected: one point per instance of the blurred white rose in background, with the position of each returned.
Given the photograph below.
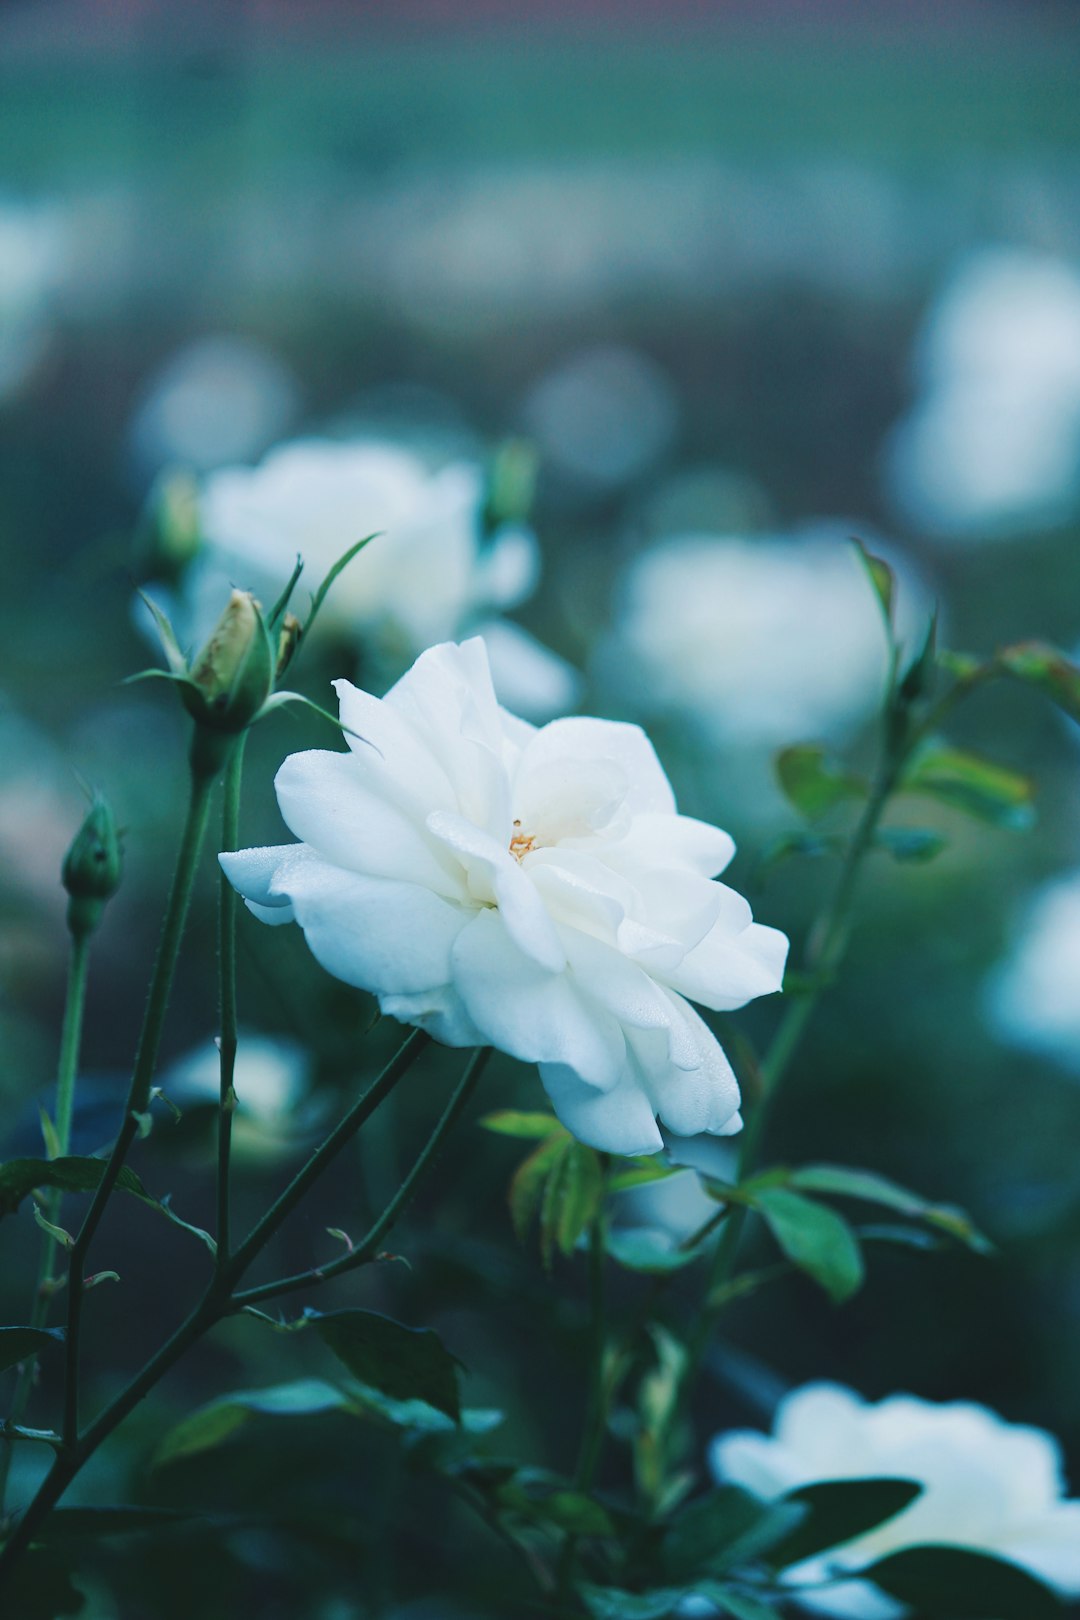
(272, 1080)
(33, 251)
(759, 641)
(1033, 996)
(988, 1486)
(991, 446)
(220, 399)
(429, 574)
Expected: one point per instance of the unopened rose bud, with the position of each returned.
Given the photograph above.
(169, 534)
(511, 484)
(233, 676)
(288, 641)
(91, 870)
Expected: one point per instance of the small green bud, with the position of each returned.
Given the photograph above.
(233, 676)
(91, 870)
(288, 642)
(169, 535)
(511, 484)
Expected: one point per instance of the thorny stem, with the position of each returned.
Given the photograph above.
(67, 1069)
(142, 1075)
(367, 1249)
(826, 949)
(220, 1298)
(227, 1037)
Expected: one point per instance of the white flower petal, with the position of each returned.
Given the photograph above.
(617, 1121)
(440, 1012)
(391, 938)
(627, 746)
(252, 873)
(325, 802)
(529, 1012)
(727, 971)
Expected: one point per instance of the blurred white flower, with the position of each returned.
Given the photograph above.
(272, 1081)
(602, 417)
(534, 890)
(1033, 996)
(992, 445)
(758, 641)
(33, 244)
(672, 1209)
(988, 1485)
(218, 400)
(416, 584)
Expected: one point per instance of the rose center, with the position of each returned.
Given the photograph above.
(521, 843)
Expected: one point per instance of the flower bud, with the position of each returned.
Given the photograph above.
(288, 641)
(233, 676)
(91, 870)
(169, 535)
(511, 484)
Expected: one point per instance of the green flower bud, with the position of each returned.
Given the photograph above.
(288, 641)
(91, 870)
(169, 535)
(511, 484)
(233, 676)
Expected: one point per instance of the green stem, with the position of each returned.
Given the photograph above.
(67, 1069)
(216, 1303)
(828, 943)
(227, 1038)
(368, 1248)
(592, 1434)
(142, 1076)
(342, 1133)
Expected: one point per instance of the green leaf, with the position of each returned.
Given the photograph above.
(980, 787)
(1047, 670)
(737, 1604)
(612, 1603)
(418, 1416)
(840, 1510)
(704, 1529)
(544, 1498)
(881, 578)
(529, 1180)
(21, 1176)
(511, 1122)
(871, 1188)
(404, 1363)
(573, 1194)
(815, 1238)
(951, 1583)
(644, 1248)
(65, 1523)
(277, 612)
(343, 562)
(174, 657)
(640, 1173)
(812, 782)
(912, 845)
(211, 1424)
(19, 1343)
(918, 677)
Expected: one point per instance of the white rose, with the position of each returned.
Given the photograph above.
(534, 890)
(418, 583)
(991, 447)
(1032, 997)
(759, 641)
(988, 1486)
